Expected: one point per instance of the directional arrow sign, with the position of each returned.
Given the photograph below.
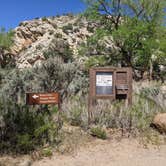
(35, 96)
(42, 98)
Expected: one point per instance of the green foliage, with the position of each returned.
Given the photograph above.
(59, 48)
(100, 33)
(90, 29)
(98, 132)
(138, 117)
(52, 75)
(134, 119)
(139, 44)
(137, 30)
(47, 152)
(135, 43)
(76, 117)
(92, 14)
(95, 45)
(75, 111)
(7, 61)
(81, 85)
(44, 19)
(58, 35)
(67, 28)
(24, 129)
(95, 61)
(152, 137)
(6, 39)
(149, 10)
(70, 15)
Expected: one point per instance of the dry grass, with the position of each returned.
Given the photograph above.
(134, 119)
(72, 139)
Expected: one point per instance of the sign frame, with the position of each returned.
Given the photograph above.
(43, 98)
(93, 72)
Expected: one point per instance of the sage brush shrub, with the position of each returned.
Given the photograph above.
(155, 94)
(52, 75)
(23, 129)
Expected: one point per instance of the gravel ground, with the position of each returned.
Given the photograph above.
(127, 152)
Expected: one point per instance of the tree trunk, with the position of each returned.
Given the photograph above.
(150, 70)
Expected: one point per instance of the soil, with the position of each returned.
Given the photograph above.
(125, 152)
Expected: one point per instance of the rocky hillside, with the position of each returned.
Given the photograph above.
(34, 38)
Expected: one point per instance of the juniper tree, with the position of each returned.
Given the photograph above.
(6, 40)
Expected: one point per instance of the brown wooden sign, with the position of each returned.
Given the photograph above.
(110, 83)
(42, 98)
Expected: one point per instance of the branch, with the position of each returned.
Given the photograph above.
(114, 20)
(104, 7)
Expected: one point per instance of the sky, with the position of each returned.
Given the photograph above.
(12, 12)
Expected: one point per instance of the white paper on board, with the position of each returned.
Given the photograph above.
(103, 80)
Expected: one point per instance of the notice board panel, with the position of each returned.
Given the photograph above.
(104, 83)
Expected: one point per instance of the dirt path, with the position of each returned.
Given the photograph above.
(110, 153)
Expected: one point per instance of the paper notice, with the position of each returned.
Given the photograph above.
(103, 80)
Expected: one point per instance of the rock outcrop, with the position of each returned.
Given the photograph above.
(159, 122)
(33, 38)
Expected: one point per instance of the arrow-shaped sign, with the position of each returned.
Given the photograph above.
(42, 98)
(35, 96)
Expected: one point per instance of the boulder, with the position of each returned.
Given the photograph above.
(159, 122)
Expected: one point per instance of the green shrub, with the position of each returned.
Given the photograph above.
(98, 132)
(6, 41)
(134, 119)
(76, 117)
(44, 19)
(75, 111)
(24, 128)
(58, 35)
(67, 28)
(130, 120)
(59, 48)
(90, 29)
(51, 32)
(47, 152)
(6, 38)
(52, 75)
(70, 15)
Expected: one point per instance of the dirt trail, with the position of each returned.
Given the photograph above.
(127, 152)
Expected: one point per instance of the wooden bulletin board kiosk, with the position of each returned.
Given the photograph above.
(110, 83)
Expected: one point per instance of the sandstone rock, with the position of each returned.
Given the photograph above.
(159, 122)
(34, 37)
